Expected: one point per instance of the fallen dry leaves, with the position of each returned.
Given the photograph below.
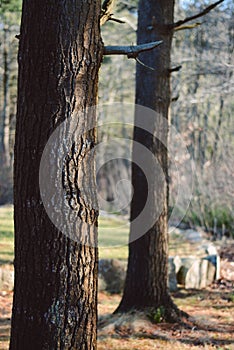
(211, 323)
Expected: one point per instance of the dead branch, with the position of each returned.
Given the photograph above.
(107, 9)
(188, 26)
(130, 51)
(143, 64)
(174, 99)
(116, 20)
(200, 14)
(175, 69)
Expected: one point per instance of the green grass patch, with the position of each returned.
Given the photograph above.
(113, 236)
(6, 234)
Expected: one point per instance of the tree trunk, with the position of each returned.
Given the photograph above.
(217, 132)
(6, 107)
(146, 282)
(55, 294)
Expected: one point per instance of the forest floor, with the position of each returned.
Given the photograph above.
(211, 322)
(210, 325)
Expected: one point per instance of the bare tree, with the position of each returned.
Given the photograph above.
(146, 282)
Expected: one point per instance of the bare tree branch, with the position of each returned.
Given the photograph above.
(143, 64)
(175, 69)
(107, 9)
(130, 51)
(188, 26)
(176, 98)
(200, 14)
(116, 20)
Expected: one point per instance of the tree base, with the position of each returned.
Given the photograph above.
(141, 323)
(165, 311)
(170, 314)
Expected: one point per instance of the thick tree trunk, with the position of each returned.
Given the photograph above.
(55, 294)
(146, 282)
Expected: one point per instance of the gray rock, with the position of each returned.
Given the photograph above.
(196, 273)
(207, 273)
(211, 250)
(215, 261)
(210, 277)
(186, 265)
(178, 263)
(172, 281)
(101, 283)
(113, 274)
(203, 273)
(218, 268)
(192, 277)
(193, 236)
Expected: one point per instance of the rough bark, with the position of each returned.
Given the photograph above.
(146, 282)
(55, 294)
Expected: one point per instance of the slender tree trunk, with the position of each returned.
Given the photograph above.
(217, 133)
(5, 161)
(146, 282)
(205, 134)
(55, 294)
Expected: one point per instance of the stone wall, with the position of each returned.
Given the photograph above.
(189, 273)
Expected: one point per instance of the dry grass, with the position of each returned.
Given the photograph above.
(210, 325)
(5, 314)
